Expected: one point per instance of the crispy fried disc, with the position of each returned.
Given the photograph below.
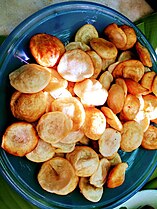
(61, 147)
(30, 78)
(19, 139)
(95, 123)
(116, 35)
(46, 49)
(86, 33)
(117, 175)
(56, 82)
(147, 80)
(144, 54)
(115, 99)
(130, 35)
(75, 65)
(109, 142)
(104, 48)
(126, 55)
(73, 108)
(90, 192)
(111, 118)
(97, 62)
(77, 45)
(42, 152)
(28, 107)
(154, 86)
(73, 137)
(135, 88)
(99, 177)
(150, 106)
(53, 126)
(132, 135)
(131, 107)
(84, 160)
(106, 79)
(121, 82)
(88, 90)
(57, 176)
(150, 138)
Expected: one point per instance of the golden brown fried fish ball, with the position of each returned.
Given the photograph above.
(150, 138)
(46, 49)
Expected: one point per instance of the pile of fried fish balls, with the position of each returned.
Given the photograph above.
(79, 104)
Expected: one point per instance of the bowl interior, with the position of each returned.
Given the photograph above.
(63, 20)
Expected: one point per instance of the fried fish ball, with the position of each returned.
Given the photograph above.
(117, 175)
(95, 123)
(42, 152)
(144, 54)
(150, 138)
(131, 107)
(150, 106)
(75, 65)
(116, 35)
(105, 49)
(97, 62)
(109, 142)
(30, 78)
(53, 126)
(73, 108)
(135, 88)
(131, 136)
(115, 99)
(86, 33)
(99, 177)
(111, 118)
(56, 82)
(28, 107)
(57, 176)
(19, 139)
(84, 160)
(107, 62)
(147, 80)
(46, 49)
(106, 79)
(77, 45)
(154, 86)
(90, 192)
(130, 35)
(88, 90)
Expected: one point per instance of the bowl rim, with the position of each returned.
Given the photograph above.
(11, 40)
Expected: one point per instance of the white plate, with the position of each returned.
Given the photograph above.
(142, 198)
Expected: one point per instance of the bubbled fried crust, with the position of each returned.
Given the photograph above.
(57, 176)
(28, 107)
(150, 138)
(95, 123)
(30, 78)
(132, 135)
(75, 65)
(46, 49)
(19, 139)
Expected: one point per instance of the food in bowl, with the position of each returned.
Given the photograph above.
(96, 87)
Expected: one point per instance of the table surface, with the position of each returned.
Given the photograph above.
(14, 11)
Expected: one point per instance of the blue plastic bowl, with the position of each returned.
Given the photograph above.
(63, 20)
